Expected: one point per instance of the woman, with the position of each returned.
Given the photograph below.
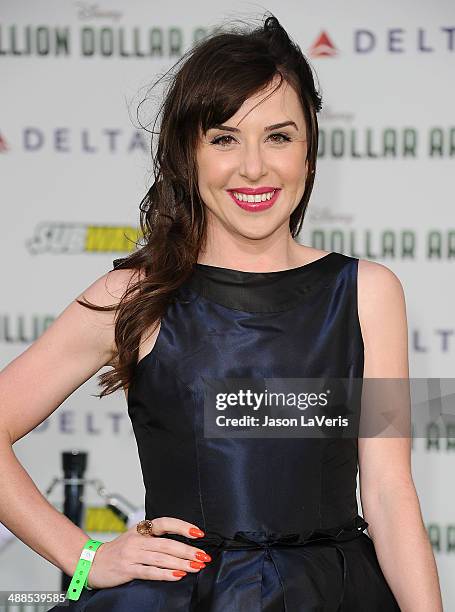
(221, 290)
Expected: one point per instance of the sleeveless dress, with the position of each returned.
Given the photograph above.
(280, 514)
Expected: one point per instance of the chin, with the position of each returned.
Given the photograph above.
(256, 231)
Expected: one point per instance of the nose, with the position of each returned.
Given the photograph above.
(252, 164)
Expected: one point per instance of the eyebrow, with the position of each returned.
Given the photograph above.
(276, 126)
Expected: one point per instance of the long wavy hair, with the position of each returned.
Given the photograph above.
(213, 80)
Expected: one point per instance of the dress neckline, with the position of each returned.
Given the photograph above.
(260, 292)
(208, 267)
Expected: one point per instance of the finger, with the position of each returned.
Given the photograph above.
(170, 524)
(158, 559)
(172, 547)
(148, 572)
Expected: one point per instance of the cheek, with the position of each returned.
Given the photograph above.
(214, 172)
(291, 168)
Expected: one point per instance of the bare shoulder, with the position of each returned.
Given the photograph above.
(108, 290)
(378, 287)
(383, 320)
(376, 280)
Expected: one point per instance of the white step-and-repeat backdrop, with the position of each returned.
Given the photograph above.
(75, 162)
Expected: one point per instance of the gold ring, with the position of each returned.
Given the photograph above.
(145, 527)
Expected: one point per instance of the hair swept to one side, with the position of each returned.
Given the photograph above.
(211, 82)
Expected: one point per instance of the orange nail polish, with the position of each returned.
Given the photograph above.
(197, 564)
(179, 573)
(196, 532)
(203, 556)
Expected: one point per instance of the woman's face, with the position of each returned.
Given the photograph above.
(250, 155)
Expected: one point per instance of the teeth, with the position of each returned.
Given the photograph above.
(243, 197)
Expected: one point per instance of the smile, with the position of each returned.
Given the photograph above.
(256, 202)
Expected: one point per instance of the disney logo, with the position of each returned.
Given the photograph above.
(92, 11)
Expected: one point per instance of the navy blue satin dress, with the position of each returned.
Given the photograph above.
(280, 514)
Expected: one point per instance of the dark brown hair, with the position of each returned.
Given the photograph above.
(213, 80)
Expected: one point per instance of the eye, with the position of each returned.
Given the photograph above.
(221, 140)
(284, 136)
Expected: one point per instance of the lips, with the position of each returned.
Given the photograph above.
(256, 206)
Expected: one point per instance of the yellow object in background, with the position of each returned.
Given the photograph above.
(99, 518)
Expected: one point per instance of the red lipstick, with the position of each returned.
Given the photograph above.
(255, 206)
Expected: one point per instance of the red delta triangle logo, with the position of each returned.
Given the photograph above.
(323, 47)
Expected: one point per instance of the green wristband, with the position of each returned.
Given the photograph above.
(79, 579)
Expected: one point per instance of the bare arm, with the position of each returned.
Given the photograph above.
(32, 386)
(389, 499)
